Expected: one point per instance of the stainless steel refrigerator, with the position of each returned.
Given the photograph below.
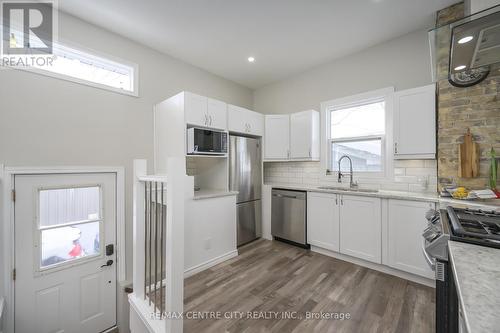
(245, 176)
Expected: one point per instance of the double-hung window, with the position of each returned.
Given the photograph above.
(358, 127)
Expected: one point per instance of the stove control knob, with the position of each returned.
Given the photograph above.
(432, 235)
(431, 214)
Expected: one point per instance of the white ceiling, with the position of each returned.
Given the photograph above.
(285, 36)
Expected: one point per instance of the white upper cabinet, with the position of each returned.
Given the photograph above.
(415, 123)
(205, 112)
(300, 140)
(277, 137)
(405, 224)
(323, 220)
(244, 121)
(304, 135)
(361, 227)
(195, 109)
(217, 114)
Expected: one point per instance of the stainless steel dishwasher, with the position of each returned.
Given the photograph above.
(288, 216)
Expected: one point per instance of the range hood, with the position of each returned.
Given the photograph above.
(463, 51)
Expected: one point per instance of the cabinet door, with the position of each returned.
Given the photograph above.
(217, 114)
(276, 138)
(415, 123)
(323, 220)
(255, 123)
(361, 227)
(300, 135)
(304, 135)
(195, 109)
(241, 120)
(236, 119)
(406, 222)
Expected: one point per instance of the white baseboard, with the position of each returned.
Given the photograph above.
(210, 263)
(376, 267)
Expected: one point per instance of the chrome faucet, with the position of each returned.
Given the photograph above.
(352, 184)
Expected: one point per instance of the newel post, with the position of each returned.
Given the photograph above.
(138, 238)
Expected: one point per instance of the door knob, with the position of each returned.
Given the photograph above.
(108, 263)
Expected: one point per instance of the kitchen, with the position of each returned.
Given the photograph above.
(353, 188)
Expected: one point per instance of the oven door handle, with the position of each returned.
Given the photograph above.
(431, 261)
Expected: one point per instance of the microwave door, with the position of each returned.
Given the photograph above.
(204, 141)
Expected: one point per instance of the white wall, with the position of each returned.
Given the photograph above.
(403, 63)
(46, 121)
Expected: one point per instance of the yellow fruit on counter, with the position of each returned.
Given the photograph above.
(460, 193)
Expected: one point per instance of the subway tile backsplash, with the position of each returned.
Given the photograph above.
(409, 175)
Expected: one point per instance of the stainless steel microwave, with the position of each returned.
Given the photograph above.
(206, 142)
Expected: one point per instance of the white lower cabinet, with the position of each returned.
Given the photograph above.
(360, 227)
(323, 220)
(406, 221)
(352, 225)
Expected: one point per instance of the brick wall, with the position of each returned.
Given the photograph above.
(476, 107)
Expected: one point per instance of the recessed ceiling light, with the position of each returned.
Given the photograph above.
(251, 59)
(465, 39)
(459, 68)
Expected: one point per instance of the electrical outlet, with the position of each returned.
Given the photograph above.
(208, 243)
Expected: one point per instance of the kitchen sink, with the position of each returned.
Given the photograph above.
(347, 189)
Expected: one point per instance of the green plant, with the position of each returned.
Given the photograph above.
(493, 169)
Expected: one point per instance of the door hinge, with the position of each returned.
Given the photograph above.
(13, 194)
(14, 274)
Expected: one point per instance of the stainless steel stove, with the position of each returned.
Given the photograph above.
(474, 226)
(478, 227)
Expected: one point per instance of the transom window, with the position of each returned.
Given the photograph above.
(69, 225)
(77, 65)
(357, 128)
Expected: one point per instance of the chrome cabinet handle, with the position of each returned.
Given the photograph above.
(310, 154)
(210, 120)
(395, 147)
(336, 200)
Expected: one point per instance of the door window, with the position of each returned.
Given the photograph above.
(69, 225)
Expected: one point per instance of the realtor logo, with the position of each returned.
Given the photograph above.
(27, 27)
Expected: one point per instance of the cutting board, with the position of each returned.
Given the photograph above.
(468, 156)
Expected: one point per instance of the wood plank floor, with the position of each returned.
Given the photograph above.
(272, 277)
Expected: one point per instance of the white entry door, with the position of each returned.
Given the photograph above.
(65, 258)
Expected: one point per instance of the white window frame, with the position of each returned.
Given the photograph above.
(385, 94)
(99, 56)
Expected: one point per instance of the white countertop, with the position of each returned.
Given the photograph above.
(208, 194)
(492, 204)
(476, 271)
